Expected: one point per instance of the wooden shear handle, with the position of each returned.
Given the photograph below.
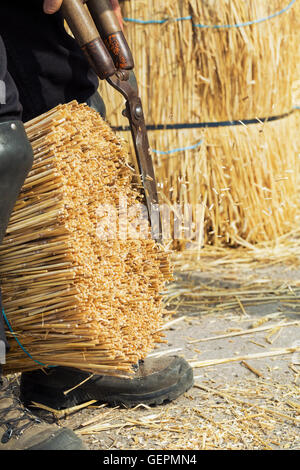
(98, 32)
(110, 31)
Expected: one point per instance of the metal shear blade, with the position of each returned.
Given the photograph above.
(134, 113)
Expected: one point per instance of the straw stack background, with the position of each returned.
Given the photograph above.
(78, 292)
(244, 178)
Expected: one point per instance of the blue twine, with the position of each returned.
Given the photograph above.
(182, 149)
(238, 25)
(21, 346)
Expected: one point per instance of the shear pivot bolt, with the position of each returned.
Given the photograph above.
(138, 111)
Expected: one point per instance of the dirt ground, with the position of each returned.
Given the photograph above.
(228, 406)
(246, 392)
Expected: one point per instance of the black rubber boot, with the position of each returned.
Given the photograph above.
(21, 430)
(156, 381)
(16, 159)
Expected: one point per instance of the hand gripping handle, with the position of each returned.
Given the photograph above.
(85, 32)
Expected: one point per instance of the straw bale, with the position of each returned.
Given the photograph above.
(75, 294)
(241, 182)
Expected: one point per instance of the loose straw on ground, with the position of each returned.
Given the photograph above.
(213, 362)
(244, 332)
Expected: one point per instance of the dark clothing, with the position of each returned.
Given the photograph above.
(45, 62)
(10, 107)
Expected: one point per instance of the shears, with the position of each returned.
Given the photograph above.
(98, 32)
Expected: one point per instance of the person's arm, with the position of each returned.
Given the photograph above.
(52, 6)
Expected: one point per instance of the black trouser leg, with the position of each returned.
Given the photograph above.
(10, 107)
(15, 150)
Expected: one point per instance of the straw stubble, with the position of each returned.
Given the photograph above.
(72, 297)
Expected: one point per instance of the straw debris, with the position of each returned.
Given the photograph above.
(239, 415)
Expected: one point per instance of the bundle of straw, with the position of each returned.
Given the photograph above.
(240, 183)
(76, 292)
